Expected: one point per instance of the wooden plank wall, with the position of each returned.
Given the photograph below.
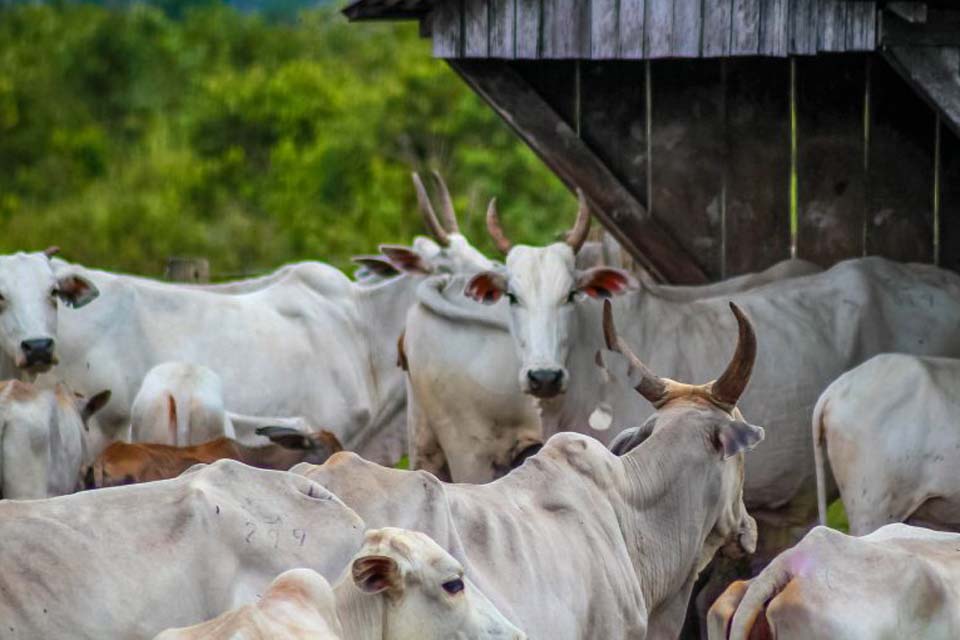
(705, 146)
(649, 29)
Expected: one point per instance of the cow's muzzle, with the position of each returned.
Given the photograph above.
(38, 354)
(545, 383)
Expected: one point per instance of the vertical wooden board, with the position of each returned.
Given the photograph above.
(527, 29)
(900, 206)
(502, 20)
(604, 28)
(658, 29)
(745, 39)
(687, 28)
(773, 28)
(861, 26)
(832, 31)
(716, 28)
(631, 21)
(565, 29)
(447, 36)
(555, 82)
(949, 199)
(831, 185)
(687, 152)
(803, 26)
(757, 208)
(476, 29)
(615, 129)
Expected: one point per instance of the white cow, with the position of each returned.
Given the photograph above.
(401, 585)
(814, 327)
(891, 431)
(468, 421)
(131, 561)
(182, 404)
(321, 348)
(898, 582)
(42, 438)
(579, 543)
(30, 293)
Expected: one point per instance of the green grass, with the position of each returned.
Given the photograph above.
(837, 517)
(403, 463)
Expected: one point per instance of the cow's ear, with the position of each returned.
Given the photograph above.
(605, 282)
(93, 404)
(375, 574)
(486, 287)
(406, 259)
(75, 290)
(287, 438)
(376, 265)
(734, 436)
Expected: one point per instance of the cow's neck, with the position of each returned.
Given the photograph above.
(381, 317)
(665, 514)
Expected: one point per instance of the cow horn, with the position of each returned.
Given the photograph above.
(578, 234)
(51, 251)
(429, 216)
(448, 213)
(728, 388)
(496, 231)
(650, 386)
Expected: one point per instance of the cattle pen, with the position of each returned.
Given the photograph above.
(717, 137)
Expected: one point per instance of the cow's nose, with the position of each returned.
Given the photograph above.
(545, 383)
(37, 351)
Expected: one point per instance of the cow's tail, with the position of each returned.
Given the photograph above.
(761, 591)
(819, 435)
(177, 420)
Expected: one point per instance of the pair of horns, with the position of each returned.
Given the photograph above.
(575, 237)
(725, 391)
(51, 251)
(440, 231)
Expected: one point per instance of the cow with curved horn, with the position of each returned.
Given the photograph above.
(449, 251)
(542, 285)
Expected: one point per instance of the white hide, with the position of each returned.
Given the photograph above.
(129, 562)
(898, 582)
(891, 432)
(41, 439)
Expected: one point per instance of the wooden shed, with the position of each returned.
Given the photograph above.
(716, 137)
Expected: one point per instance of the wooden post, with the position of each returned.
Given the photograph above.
(195, 270)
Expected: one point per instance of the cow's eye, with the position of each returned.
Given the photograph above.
(572, 296)
(453, 587)
(511, 298)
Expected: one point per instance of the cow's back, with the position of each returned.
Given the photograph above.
(132, 561)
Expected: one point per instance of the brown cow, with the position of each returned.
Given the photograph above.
(128, 463)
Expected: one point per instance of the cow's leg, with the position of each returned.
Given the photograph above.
(425, 450)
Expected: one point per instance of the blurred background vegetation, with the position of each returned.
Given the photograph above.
(252, 135)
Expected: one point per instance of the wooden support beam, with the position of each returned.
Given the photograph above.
(929, 73)
(565, 153)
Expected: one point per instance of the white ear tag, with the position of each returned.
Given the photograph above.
(601, 418)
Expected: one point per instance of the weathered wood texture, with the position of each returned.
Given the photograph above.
(932, 72)
(831, 178)
(649, 29)
(688, 156)
(526, 111)
(900, 208)
(757, 193)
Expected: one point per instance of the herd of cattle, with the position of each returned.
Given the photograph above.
(572, 479)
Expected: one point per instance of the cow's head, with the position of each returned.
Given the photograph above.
(542, 285)
(707, 429)
(30, 294)
(447, 252)
(406, 586)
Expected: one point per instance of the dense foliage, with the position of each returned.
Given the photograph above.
(127, 136)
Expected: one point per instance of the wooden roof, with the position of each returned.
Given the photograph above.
(633, 29)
